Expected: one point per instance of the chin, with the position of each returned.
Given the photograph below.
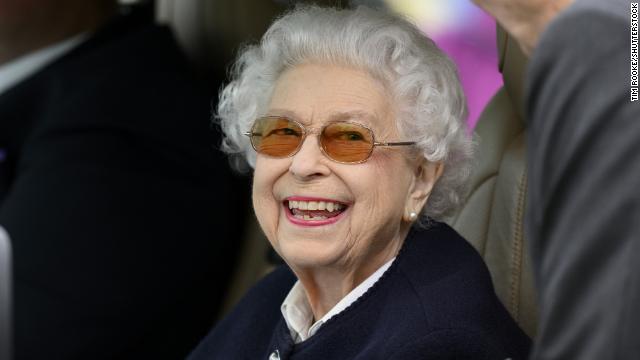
(307, 253)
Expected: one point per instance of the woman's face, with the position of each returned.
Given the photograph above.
(374, 195)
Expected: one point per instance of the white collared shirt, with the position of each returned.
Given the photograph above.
(297, 311)
(26, 65)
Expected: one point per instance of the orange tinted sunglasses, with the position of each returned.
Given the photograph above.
(342, 142)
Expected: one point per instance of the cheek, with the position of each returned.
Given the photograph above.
(383, 191)
(388, 197)
(264, 203)
(393, 178)
(394, 192)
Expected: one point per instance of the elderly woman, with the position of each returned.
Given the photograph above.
(354, 124)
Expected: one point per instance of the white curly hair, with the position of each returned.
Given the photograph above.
(424, 83)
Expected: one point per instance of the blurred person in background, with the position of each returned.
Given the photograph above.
(117, 205)
(354, 124)
(584, 172)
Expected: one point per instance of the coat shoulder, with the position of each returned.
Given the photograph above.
(257, 314)
(454, 287)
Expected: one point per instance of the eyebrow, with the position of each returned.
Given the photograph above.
(283, 112)
(359, 115)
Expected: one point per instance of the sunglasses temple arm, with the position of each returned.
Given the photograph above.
(404, 143)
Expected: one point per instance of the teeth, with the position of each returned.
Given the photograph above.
(310, 218)
(316, 205)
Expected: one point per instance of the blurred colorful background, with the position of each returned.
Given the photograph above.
(468, 36)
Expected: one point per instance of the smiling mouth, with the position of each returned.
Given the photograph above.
(314, 210)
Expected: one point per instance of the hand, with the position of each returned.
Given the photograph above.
(525, 20)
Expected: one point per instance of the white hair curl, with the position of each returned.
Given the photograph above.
(423, 81)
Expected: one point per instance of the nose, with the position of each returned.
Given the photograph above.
(309, 162)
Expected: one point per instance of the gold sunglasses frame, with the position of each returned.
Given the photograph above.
(250, 134)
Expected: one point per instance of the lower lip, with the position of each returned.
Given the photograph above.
(309, 223)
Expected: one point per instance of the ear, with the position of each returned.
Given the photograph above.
(425, 177)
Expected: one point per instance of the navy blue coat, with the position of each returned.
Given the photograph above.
(436, 301)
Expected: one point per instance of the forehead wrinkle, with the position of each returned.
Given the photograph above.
(366, 103)
(364, 117)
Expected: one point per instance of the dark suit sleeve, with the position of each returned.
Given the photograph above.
(121, 214)
(584, 199)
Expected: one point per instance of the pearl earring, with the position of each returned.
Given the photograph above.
(413, 216)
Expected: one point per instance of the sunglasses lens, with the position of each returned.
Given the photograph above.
(346, 142)
(274, 136)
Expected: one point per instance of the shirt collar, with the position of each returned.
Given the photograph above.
(24, 66)
(297, 312)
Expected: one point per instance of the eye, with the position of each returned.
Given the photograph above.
(347, 133)
(284, 132)
(351, 136)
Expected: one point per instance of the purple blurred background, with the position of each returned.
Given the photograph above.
(468, 36)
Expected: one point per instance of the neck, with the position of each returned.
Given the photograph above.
(325, 286)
